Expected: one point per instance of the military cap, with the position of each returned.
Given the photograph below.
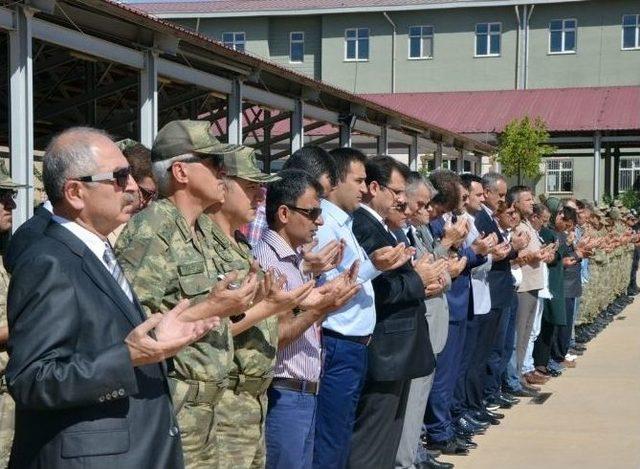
(127, 143)
(242, 164)
(5, 179)
(188, 136)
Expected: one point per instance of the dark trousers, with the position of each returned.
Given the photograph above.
(378, 425)
(560, 346)
(344, 370)
(459, 402)
(437, 417)
(289, 429)
(542, 345)
(496, 363)
(634, 267)
(477, 371)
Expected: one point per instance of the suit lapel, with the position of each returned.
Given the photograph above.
(379, 227)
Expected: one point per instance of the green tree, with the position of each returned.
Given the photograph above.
(522, 146)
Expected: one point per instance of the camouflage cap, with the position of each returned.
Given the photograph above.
(242, 164)
(5, 179)
(127, 143)
(187, 136)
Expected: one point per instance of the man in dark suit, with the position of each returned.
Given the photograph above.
(400, 349)
(25, 235)
(86, 369)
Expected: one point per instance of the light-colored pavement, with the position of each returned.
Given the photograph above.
(591, 420)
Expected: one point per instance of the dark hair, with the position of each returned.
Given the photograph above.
(139, 158)
(446, 182)
(315, 161)
(468, 178)
(539, 209)
(380, 167)
(569, 213)
(343, 157)
(509, 200)
(287, 191)
(515, 191)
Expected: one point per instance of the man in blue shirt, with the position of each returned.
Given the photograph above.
(346, 331)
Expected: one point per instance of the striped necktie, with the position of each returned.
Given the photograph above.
(116, 271)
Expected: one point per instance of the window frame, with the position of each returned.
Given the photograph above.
(637, 30)
(563, 30)
(298, 41)
(634, 170)
(489, 33)
(357, 48)
(234, 42)
(421, 37)
(559, 171)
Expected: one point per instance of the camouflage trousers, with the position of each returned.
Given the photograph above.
(241, 417)
(195, 405)
(7, 417)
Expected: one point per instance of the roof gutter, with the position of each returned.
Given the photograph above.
(393, 52)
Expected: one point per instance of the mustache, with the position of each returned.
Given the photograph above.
(129, 199)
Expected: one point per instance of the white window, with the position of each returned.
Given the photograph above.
(296, 47)
(631, 32)
(235, 41)
(562, 36)
(559, 175)
(629, 174)
(421, 42)
(356, 44)
(488, 39)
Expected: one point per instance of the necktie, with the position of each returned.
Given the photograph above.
(115, 270)
(411, 238)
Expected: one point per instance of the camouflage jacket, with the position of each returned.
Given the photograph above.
(166, 262)
(255, 348)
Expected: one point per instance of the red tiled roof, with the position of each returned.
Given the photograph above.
(219, 6)
(563, 109)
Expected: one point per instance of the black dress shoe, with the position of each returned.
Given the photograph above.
(466, 443)
(484, 417)
(433, 463)
(477, 423)
(465, 425)
(508, 398)
(496, 415)
(448, 447)
(523, 393)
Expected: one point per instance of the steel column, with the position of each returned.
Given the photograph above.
(597, 147)
(345, 136)
(149, 99)
(437, 156)
(21, 112)
(383, 141)
(413, 153)
(297, 126)
(234, 113)
(460, 162)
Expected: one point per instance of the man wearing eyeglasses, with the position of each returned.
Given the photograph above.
(165, 251)
(7, 206)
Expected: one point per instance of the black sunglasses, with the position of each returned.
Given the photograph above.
(7, 194)
(311, 213)
(120, 176)
(147, 195)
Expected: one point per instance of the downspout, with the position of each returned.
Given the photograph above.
(198, 25)
(393, 52)
(526, 41)
(518, 47)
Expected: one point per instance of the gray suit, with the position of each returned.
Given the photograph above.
(437, 315)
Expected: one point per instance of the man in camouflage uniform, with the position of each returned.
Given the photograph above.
(7, 407)
(165, 252)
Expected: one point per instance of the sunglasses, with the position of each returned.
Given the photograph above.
(120, 177)
(396, 192)
(311, 213)
(146, 195)
(7, 195)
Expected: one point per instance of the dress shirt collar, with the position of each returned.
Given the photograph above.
(488, 210)
(281, 248)
(376, 215)
(332, 210)
(95, 244)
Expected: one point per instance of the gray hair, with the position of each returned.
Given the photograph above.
(162, 175)
(490, 180)
(415, 181)
(70, 154)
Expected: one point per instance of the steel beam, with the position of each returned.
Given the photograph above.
(383, 141)
(413, 153)
(149, 99)
(259, 96)
(21, 112)
(297, 126)
(234, 113)
(185, 74)
(398, 137)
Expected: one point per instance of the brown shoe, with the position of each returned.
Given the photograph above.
(531, 387)
(568, 364)
(533, 378)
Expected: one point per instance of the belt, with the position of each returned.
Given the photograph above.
(254, 385)
(197, 392)
(291, 384)
(360, 339)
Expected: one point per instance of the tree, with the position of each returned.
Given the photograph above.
(522, 146)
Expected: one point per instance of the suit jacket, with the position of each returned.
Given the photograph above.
(500, 279)
(400, 348)
(79, 400)
(25, 235)
(459, 296)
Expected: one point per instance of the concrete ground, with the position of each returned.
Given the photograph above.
(591, 419)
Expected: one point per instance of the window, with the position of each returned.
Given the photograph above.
(235, 41)
(559, 175)
(488, 39)
(356, 44)
(296, 47)
(421, 42)
(629, 174)
(631, 32)
(562, 36)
